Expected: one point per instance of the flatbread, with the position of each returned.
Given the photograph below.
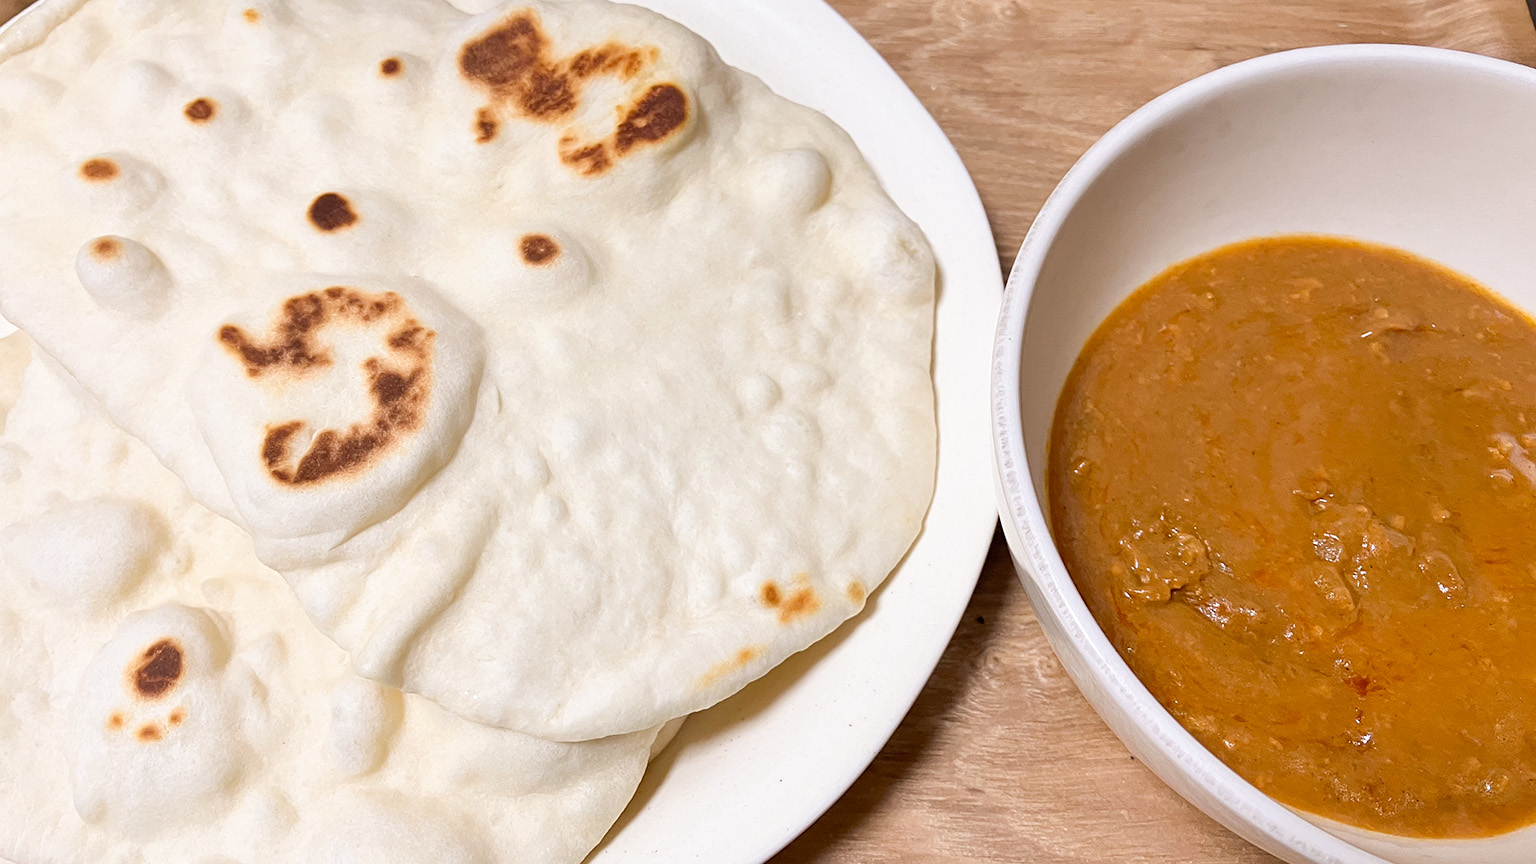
(571, 377)
(166, 700)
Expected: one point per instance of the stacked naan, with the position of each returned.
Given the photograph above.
(167, 700)
(568, 377)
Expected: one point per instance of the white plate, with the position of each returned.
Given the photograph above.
(743, 779)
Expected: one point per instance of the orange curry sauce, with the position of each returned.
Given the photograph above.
(1295, 481)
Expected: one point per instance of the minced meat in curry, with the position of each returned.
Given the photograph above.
(1295, 481)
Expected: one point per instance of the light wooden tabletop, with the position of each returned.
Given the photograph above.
(1002, 760)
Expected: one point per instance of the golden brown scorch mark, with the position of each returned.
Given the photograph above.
(201, 110)
(391, 67)
(743, 657)
(332, 212)
(797, 603)
(99, 170)
(539, 249)
(857, 592)
(116, 721)
(150, 732)
(485, 126)
(514, 62)
(157, 670)
(654, 118)
(177, 717)
(106, 249)
(251, 16)
(399, 389)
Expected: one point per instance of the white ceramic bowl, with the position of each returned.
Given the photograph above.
(1429, 150)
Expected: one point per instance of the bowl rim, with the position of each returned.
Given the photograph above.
(1147, 728)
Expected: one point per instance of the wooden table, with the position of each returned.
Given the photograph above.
(1002, 760)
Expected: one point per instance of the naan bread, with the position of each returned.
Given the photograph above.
(570, 377)
(165, 699)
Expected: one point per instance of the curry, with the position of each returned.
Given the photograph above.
(1295, 481)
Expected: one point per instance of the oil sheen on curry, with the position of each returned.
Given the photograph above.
(1295, 481)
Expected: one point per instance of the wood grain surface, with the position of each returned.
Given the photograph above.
(1001, 759)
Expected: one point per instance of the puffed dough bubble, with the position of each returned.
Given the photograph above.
(338, 435)
(890, 258)
(142, 87)
(124, 276)
(155, 741)
(798, 180)
(363, 716)
(535, 267)
(120, 185)
(758, 393)
(85, 553)
(769, 293)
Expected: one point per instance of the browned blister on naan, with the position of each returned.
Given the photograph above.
(399, 378)
(514, 62)
(157, 719)
(343, 401)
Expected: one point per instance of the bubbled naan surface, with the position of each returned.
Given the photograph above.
(173, 703)
(570, 377)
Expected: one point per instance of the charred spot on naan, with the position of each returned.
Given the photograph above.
(654, 118)
(106, 249)
(99, 170)
(332, 212)
(149, 733)
(857, 592)
(201, 110)
(539, 249)
(399, 380)
(293, 347)
(399, 403)
(791, 604)
(659, 113)
(485, 126)
(738, 662)
(251, 16)
(391, 67)
(588, 159)
(157, 671)
(514, 62)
